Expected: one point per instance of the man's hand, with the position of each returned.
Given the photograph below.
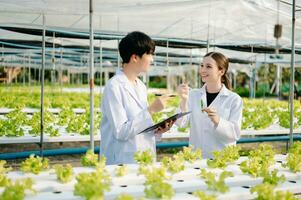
(165, 128)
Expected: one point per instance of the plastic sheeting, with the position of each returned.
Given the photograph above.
(241, 25)
(226, 20)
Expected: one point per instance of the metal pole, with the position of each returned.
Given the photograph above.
(167, 64)
(91, 78)
(29, 72)
(16, 78)
(69, 77)
(100, 65)
(278, 89)
(42, 87)
(118, 56)
(24, 70)
(234, 80)
(35, 73)
(53, 60)
(190, 57)
(40, 74)
(100, 57)
(61, 68)
(208, 29)
(252, 81)
(292, 78)
(277, 38)
(2, 62)
(167, 53)
(252, 78)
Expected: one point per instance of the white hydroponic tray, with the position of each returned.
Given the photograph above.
(184, 182)
(75, 137)
(4, 111)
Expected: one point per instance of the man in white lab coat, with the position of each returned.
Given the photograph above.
(125, 111)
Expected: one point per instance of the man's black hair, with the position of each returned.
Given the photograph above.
(135, 43)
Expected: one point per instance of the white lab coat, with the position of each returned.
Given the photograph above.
(124, 115)
(203, 133)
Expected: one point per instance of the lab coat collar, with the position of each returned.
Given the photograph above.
(129, 86)
(224, 91)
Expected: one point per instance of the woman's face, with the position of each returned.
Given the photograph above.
(209, 71)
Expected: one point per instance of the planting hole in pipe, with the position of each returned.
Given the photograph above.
(292, 181)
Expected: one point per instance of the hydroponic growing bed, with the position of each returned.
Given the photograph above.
(186, 175)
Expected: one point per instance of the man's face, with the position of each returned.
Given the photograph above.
(144, 62)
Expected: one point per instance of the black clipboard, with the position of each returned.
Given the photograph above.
(172, 118)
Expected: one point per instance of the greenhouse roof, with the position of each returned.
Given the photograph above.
(237, 25)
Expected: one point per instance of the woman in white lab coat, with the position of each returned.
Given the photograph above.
(125, 111)
(216, 111)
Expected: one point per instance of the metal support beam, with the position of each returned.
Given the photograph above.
(42, 87)
(91, 73)
(292, 78)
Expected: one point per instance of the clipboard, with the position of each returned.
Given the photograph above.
(172, 118)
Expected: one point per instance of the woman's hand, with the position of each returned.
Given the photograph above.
(158, 104)
(183, 91)
(212, 114)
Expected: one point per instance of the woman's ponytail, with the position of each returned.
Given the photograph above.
(226, 81)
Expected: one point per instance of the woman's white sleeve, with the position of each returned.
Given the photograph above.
(229, 130)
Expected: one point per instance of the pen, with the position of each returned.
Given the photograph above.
(170, 95)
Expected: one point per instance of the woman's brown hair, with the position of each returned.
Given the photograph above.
(222, 63)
